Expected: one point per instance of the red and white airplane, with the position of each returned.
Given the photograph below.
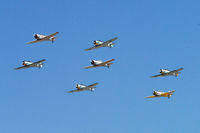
(99, 63)
(28, 64)
(40, 38)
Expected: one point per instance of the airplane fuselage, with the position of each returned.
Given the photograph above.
(96, 62)
(40, 37)
(98, 42)
(163, 94)
(81, 86)
(165, 71)
(26, 63)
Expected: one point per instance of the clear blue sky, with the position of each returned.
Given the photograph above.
(152, 35)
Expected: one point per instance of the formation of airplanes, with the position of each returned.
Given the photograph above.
(96, 63)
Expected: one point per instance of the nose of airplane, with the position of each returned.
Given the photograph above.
(35, 36)
(92, 62)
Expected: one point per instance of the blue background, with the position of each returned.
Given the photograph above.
(152, 35)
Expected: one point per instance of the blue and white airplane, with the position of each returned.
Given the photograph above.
(99, 44)
(81, 87)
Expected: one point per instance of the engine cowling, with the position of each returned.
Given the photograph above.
(36, 36)
(92, 62)
(154, 93)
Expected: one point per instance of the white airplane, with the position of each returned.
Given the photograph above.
(40, 38)
(28, 64)
(99, 44)
(161, 94)
(99, 63)
(165, 72)
(81, 87)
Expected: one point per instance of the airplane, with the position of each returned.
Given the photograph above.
(99, 44)
(99, 63)
(81, 87)
(165, 72)
(161, 94)
(28, 64)
(40, 38)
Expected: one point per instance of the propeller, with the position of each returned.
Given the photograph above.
(35, 36)
(92, 62)
(160, 70)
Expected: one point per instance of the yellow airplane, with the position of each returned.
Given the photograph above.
(161, 94)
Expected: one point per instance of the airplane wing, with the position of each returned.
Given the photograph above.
(106, 62)
(151, 97)
(78, 90)
(91, 67)
(43, 39)
(49, 36)
(159, 75)
(111, 40)
(92, 85)
(177, 70)
(39, 61)
(94, 47)
(24, 67)
(35, 41)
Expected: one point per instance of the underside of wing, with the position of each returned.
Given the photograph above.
(106, 62)
(49, 36)
(92, 85)
(39, 61)
(35, 41)
(176, 70)
(98, 46)
(165, 94)
(151, 97)
(24, 67)
(111, 40)
(159, 75)
(91, 67)
(78, 90)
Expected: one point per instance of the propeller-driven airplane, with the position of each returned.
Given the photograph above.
(28, 64)
(99, 63)
(40, 38)
(161, 94)
(99, 44)
(165, 72)
(81, 87)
